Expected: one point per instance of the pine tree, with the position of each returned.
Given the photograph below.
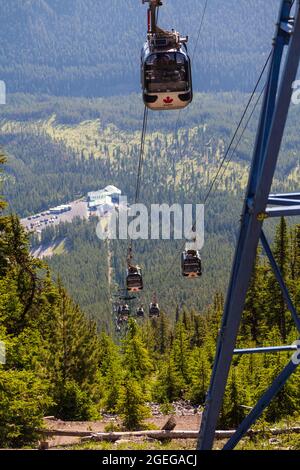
(277, 311)
(162, 334)
(112, 372)
(75, 354)
(169, 384)
(180, 351)
(254, 315)
(294, 267)
(214, 315)
(198, 330)
(297, 253)
(148, 335)
(177, 314)
(199, 376)
(233, 411)
(131, 404)
(136, 359)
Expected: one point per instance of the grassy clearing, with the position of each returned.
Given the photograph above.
(267, 442)
(149, 444)
(60, 248)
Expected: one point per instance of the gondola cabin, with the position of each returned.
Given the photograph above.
(140, 312)
(191, 265)
(166, 72)
(123, 311)
(134, 279)
(154, 310)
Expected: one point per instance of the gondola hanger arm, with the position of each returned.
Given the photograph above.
(153, 6)
(153, 3)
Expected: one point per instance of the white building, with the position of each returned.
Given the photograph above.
(113, 192)
(96, 195)
(60, 209)
(107, 196)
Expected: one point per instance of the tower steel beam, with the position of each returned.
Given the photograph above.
(267, 349)
(286, 196)
(276, 201)
(289, 211)
(269, 137)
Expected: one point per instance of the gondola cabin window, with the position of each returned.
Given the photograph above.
(166, 72)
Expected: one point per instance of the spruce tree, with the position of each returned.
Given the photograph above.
(132, 404)
(233, 411)
(199, 376)
(162, 334)
(277, 308)
(136, 359)
(286, 402)
(75, 354)
(112, 372)
(169, 384)
(180, 350)
(253, 326)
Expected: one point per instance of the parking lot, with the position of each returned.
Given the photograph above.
(39, 222)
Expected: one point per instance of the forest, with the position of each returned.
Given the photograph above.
(61, 158)
(61, 148)
(65, 48)
(58, 362)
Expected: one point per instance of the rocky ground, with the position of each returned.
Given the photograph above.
(187, 418)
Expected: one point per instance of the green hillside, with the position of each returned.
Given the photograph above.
(88, 144)
(57, 363)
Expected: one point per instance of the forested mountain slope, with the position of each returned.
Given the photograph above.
(64, 47)
(87, 144)
(56, 362)
(53, 159)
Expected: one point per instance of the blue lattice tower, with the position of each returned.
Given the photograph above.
(277, 98)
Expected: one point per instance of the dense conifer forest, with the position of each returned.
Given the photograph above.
(58, 362)
(68, 50)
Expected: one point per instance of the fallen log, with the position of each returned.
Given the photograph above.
(162, 435)
(159, 435)
(64, 432)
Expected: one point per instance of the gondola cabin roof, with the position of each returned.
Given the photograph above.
(147, 50)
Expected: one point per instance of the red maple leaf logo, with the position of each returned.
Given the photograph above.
(168, 100)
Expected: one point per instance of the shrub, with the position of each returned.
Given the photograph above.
(23, 401)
